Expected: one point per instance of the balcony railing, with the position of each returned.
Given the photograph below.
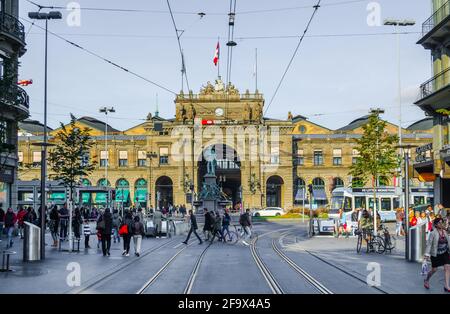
(12, 25)
(14, 96)
(436, 83)
(436, 18)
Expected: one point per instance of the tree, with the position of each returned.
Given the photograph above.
(69, 159)
(377, 155)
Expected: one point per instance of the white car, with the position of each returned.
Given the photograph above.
(268, 211)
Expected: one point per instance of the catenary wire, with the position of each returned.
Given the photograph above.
(316, 7)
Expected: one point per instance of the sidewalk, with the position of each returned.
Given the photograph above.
(397, 274)
(50, 275)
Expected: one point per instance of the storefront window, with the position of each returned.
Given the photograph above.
(4, 195)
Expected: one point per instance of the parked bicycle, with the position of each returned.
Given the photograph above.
(374, 243)
(389, 240)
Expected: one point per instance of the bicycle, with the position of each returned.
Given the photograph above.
(389, 240)
(374, 243)
(239, 230)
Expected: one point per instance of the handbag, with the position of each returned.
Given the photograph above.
(123, 229)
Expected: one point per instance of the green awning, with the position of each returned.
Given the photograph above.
(85, 198)
(100, 198)
(122, 195)
(56, 196)
(140, 195)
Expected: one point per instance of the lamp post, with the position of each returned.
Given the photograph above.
(53, 15)
(150, 157)
(105, 110)
(397, 23)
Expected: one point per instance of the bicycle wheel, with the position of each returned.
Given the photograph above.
(379, 245)
(359, 244)
(232, 237)
(391, 242)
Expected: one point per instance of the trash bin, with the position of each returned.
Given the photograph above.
(417, 242)
(32, 243)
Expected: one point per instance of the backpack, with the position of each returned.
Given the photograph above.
(123, 229)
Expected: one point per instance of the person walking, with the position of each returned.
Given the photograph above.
(128, 221)
(217, 227)
(226, 220)
(138, 232)
(87, 233)
(246, 223)
(117, 221)
(64, 222)
(157, 219)
(20, 220)
(193, 228)
(208, 224)
(2, 220)
(399, 217)
(77, 222)
(54, 224)
(437, 250)
(10, 222)
(105, 227)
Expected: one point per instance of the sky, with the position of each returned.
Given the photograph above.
(335, 77)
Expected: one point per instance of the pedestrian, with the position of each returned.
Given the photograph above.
(128, 221)
(399, 217)
(437, 250)
(10, 222)
(422, 218)
(226, 220)
(138, 232)
(105, 227)
(140, 214)
(54, 224)
(30, 216)
(246, 223)
(207, 227)
(217, 227)
(117, 221)
(2, 220)
(20, 220)
(342, 224)
(193, 228)
(63, 222)
(440, 210)
(157, 220)
(87, 233)
(77, 222)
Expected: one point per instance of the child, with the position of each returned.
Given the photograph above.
(87, 233)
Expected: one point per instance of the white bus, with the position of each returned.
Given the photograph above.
(387, 200)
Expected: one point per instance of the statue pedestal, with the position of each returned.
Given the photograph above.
(211, 201)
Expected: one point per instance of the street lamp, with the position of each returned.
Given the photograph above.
(397, 23)
(53, 15)
(150, 157)
(105, 110)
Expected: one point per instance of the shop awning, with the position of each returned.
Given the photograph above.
(100, 198)
(301, 194)
(140, 195)
(57, 197)
(122, 195)
(85, 197)
(319, 194)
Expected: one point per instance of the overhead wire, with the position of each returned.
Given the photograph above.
(316, 7)
(106, 60)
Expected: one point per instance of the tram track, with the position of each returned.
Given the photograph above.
(123, 266)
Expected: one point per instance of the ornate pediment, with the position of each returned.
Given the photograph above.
(218, 88)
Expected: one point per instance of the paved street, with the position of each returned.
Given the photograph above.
(167, 266)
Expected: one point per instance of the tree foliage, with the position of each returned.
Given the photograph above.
(69, 159)
(377, 153)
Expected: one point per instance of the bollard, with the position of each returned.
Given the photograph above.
(31, 243)
(417, 242)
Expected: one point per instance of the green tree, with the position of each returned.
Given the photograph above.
(377, 154)
(69, 159)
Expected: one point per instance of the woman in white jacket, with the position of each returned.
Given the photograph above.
(438, 248)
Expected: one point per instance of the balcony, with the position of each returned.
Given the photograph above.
(435, 93)
(12, 28)
(14, 98)
(435, 29)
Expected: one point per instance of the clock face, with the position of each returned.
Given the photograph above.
(219, 112)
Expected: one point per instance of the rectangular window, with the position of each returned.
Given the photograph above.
(386, 204)
(123, 158)
(275, 155)
(142, 158)
(20, 156)
(355, 154)
(300, 157)
(163, 155)
(318, 158)
(360, 202)
(103, 157)
(36, 159)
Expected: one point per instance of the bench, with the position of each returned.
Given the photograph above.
(5, 260)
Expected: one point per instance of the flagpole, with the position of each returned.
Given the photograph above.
(218, 61)
(256, 69)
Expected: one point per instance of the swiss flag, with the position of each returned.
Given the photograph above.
(216, 56)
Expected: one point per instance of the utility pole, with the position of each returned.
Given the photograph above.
(105, 110)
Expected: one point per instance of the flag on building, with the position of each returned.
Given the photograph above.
(216, 56)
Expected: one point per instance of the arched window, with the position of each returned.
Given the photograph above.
(123, 192)
(103, 182)
(338, 183)
(318, 182)
(86, 182)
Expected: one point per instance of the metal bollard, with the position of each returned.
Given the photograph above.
(417, 242)
(32, 243)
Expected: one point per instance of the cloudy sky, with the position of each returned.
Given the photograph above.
(343, 68)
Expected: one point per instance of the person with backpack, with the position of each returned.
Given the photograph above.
(193, 228)
(104, 226)
(246, 223)
(217, 227)
(117, 221)
(125, 230)
(10, 222)
(226, 224)
(138, 232)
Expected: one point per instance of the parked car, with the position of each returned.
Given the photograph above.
(268, 211)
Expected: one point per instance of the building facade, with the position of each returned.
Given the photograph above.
(435, 101)
(14, 101)
(260, 161)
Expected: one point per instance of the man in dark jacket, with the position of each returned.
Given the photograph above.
(10, 222)
(106, 230)
(63, 222)
(138, 233)
(217, 227)
(246, 224)
(209, 222)
(193, 228)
